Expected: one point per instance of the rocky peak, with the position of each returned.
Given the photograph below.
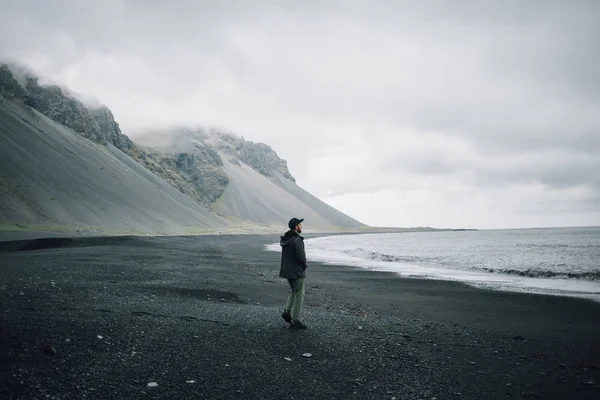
(259, 156)
(95, 123)
(188, 159)
(264, 159)
(110, 131)
(9, 86)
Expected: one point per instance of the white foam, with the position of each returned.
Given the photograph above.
(317, 250)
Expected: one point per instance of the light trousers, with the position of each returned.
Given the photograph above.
(296, 298)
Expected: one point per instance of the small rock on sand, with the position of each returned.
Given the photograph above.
(100, 337)
(307, 355)
(192, 381)
(287, 359)
(50, 350)
(152, 385)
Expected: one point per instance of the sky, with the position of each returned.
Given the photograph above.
(450, 114)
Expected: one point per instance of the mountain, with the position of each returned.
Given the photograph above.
(65, 164)
(260, 187)
(51, 178)
(94, 123)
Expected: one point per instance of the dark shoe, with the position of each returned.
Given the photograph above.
(287, 316)
(298, 324)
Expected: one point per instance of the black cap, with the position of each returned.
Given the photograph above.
(294, 221)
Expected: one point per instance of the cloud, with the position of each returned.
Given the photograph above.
(443, 106)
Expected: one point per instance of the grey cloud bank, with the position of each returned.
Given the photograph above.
(455, 114)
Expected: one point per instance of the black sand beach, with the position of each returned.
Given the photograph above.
(100, 318)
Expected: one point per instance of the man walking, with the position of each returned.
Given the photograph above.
(293, 267)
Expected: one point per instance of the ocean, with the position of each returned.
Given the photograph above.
(559, 261)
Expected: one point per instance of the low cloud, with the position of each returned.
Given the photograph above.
(480, 110)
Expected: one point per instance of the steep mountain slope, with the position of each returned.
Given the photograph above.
(51, 176)
(217, 179)
(96, 122)
(260, 188)
(254, 197)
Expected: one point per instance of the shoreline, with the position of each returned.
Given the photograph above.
(9, 236)
(123, 312)
(480, 279)
(13, 231)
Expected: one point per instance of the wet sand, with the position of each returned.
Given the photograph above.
(100, 318)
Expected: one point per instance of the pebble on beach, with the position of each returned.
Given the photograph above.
(50, 350)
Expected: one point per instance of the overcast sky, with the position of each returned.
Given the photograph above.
(479, 114)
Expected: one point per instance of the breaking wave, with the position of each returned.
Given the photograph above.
(432, 261)
(373, 255)
(540, 273)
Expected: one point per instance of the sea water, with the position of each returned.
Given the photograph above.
(560, 261)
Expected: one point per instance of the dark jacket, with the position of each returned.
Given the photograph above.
(293, 256)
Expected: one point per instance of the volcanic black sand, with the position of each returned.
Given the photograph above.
(101, 318)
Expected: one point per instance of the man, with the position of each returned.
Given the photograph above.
(293, 267)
